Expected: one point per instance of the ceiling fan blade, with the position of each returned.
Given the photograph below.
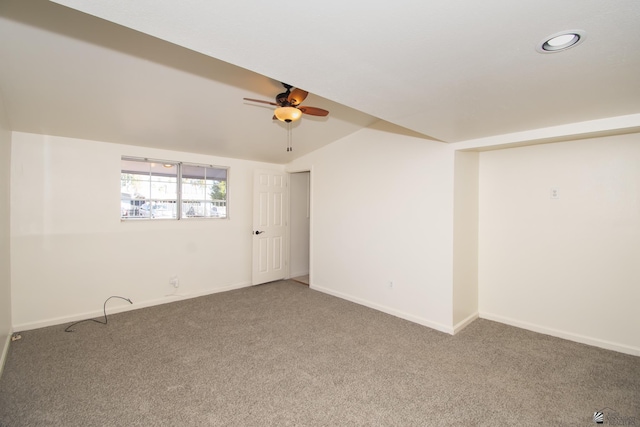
(259, 100)
(297, 96)
(313, 111)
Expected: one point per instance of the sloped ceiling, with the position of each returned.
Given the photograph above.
(453, 71)
(66, 73)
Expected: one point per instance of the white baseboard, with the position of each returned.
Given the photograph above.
(596, 342)
(464, 323)
(180, 297)
(126, 307)
(406, 316)
(5, 352)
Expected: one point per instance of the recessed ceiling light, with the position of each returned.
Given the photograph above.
(561, 41)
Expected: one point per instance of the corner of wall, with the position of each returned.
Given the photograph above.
(465, 239)
(5, 255)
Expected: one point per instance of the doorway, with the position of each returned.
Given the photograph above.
(300, 226)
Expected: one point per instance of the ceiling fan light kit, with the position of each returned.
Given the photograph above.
(287, 114)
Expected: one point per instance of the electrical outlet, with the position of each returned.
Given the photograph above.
(391, 284)
(554, 193)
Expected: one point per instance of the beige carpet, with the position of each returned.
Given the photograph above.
(282, 354)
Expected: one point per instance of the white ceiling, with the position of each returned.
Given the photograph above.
(453, 71)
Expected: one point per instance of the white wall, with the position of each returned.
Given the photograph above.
(385, 207)
(70, 251)
(465, 239)
(5, 264)
(568, 267)
(382, 210)
(299, 223)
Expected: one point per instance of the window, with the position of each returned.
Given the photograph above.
(158, 189)
(204, 191)
(148, 189)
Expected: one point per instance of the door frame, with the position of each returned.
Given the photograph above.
(288, 253)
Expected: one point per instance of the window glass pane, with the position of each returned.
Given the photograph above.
(204, 192)
(148, 189)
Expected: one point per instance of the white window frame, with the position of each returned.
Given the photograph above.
(205, 208)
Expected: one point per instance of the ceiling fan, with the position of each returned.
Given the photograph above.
(288, 103)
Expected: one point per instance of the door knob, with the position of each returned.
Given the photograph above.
(258, 232)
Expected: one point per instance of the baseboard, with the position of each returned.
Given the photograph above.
(464, 323)
(397, 313)
(126, 307)
(608, 345)
(180, 297)
(5, 352)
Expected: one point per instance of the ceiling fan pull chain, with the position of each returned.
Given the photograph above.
(289, 138)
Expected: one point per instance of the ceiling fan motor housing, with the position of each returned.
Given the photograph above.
(283, 99)
(288, 103)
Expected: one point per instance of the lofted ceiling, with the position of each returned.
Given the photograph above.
(66, 73)
(171, 74)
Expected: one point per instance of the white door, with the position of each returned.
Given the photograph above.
(269, 226)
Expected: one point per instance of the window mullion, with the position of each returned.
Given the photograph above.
(179, 192)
